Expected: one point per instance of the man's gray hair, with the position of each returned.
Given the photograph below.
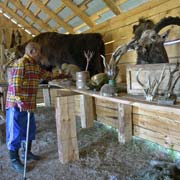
(30, 46)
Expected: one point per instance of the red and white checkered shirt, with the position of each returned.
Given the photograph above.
(25, 75)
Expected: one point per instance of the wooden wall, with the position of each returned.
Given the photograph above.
(160, 126)
(157, 126)
(8, 26)
(118, 30)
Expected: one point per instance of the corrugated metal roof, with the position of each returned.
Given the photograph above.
(64, 16)
(130, 4)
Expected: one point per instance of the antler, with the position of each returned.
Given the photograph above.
(150, 89)
(111, 68)
(120, 50)
(88, 55)
(162, 76)
(145, 87)
(172, 81)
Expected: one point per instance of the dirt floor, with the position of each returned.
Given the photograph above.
(101, 156)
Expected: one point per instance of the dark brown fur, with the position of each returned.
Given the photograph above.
(62, 48)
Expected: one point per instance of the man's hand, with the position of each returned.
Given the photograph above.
(22, 106)
(65, 76)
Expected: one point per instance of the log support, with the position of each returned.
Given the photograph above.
(87, 114)
(66, 129)
(125, 123)
(66, 123)
(47, 96)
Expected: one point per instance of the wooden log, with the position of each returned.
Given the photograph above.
(160, 112)
(105, 103)
(125, 123)
(54, 92)
(157, 137)
(162, 125)
(87, 112)
(2, 131)
(105, 111)
(47, 97)
(3, 91)
(108, 121)
(66, 129)
(39, 97)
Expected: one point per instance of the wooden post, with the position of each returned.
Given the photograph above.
(66, 129)
(125, 123)
(47, 96)
(2, 129)
(86, 111)
(65, 92)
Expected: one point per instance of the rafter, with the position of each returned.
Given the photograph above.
(45, 2)
(59, 8)
(54, 16)
(6, 2)
(112, 5)
(78, 12)
(28, 4)
(31, 15)
(37, 12)
(20, 20)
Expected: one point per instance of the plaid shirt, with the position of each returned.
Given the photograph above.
(25, 75)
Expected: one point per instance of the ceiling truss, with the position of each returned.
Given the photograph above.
(53, 20)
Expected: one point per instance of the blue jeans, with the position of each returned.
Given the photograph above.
(16, 127)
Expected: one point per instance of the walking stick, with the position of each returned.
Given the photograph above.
(27, 139)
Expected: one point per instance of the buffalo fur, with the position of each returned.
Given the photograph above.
(62, 48)
(142, 26)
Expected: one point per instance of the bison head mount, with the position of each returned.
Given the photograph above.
(147, 41)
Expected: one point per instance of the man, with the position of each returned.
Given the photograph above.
(21, 97)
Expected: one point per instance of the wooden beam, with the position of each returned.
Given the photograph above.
(45, 2)
(6, 2)
(54, 16)
(78, 12)
(66, 129)
(112, 6)
(87, 113)
(47, 96)
(120, 1)
(20, 20)
(2, 131)
(28, 4)
(130, 16)
(84, 4)
(60, 8)
(125, 123)
(31, 15)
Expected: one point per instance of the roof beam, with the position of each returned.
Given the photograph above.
(54, 16)
(112, 6)
(6, 2)
(28, 4)
(20, 20)
(78, 12)
(31, 15)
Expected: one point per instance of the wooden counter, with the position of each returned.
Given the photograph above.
(128, 109)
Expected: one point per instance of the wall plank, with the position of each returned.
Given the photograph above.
(118, 30)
